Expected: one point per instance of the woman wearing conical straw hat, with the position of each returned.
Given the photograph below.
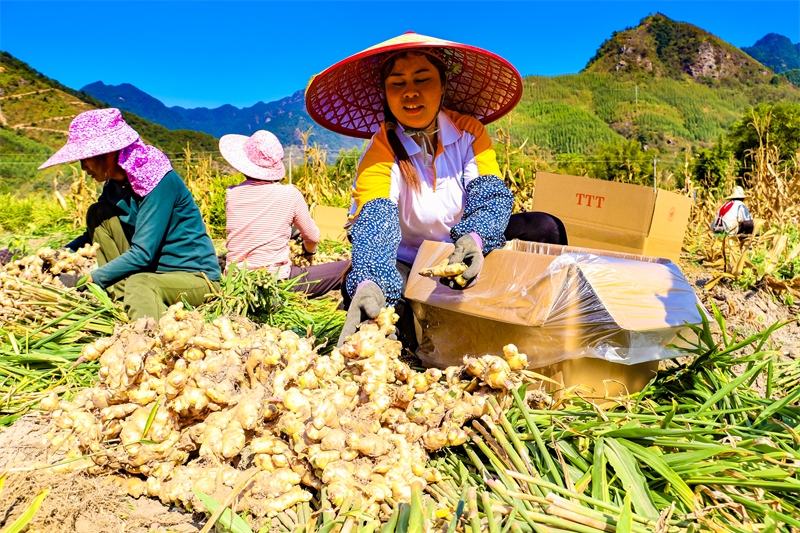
(429, 172)
(154, 249)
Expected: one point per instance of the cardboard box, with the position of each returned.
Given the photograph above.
(621, 217)
(330, 221)
(606, 379)
(557, 304)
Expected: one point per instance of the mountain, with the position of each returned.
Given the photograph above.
(776, 51)
(129, 98)
(668, 85)
(286, 118)
(792, 75)
(663, 48)
(35, 113)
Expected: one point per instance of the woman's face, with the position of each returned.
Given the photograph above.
(100, 167)
(414, 91)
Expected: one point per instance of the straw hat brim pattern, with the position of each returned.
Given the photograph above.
(347, 98)
(76, 150)
(231, 147)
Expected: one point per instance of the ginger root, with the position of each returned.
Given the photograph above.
(446, 270)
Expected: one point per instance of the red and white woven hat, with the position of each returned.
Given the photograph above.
(347, 98)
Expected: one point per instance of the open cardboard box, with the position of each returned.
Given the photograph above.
(615, 216)
(586, 315)
(330, 221)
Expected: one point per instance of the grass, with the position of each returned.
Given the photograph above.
(36, 215)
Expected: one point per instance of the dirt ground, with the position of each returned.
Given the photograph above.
(76, 502)
(747, 312)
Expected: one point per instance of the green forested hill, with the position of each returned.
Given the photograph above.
(574, 113)
(776, 51)
(664, 48)
(35, 113)
(665, 84)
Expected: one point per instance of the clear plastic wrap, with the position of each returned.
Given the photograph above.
(555, 303)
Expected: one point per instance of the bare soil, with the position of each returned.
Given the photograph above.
(748, 312)
(76, 502)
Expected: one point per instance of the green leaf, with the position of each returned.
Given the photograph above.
(668, 418)
(727, 389)
(777, 406)
(390, 526)
(633, 481)
(599, 479)
(655, 462)
(230, 521)
(625, 522)
(415, 519)
(402, 519)
(150, 418)
(23, 520)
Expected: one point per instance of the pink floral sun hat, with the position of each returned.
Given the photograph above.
(259, 156)
(102, 131)
(93, 133)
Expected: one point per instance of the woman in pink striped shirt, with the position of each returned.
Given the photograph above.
(260, 213)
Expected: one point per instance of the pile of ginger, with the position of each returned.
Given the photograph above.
(46, 264)
(185, 404)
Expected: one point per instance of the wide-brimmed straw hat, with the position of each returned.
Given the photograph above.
(737, 194)
(92, 133)
(259, 156)
(347, 98)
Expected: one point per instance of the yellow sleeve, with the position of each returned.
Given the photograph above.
(485, 156)
(373, 179)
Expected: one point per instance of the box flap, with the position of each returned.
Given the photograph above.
(595, 203)
(640, 296)
(330, 221)
(506, 289)
(532, 289)
(668, 227)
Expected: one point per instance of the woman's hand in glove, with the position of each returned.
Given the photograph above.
(467, 251)
(366, 304)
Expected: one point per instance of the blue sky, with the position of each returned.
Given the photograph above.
(211, 53)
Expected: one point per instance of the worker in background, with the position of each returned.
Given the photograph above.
(154, 249)
(430, 171)
(261, 212)
(733, 218)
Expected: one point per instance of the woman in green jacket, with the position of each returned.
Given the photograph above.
(154, 249)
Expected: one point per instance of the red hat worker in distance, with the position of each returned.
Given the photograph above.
(429, 172)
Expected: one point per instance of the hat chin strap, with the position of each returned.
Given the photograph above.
(426, 134)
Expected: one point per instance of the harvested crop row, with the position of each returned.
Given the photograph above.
(187, 405)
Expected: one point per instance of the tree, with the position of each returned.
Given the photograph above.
(783, 129)
(713, 166)
(623, 161)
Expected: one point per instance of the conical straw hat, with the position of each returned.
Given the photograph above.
(347, 97)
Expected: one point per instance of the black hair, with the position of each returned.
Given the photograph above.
(407, 170)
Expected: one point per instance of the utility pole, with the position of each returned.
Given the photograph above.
(655, 176)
